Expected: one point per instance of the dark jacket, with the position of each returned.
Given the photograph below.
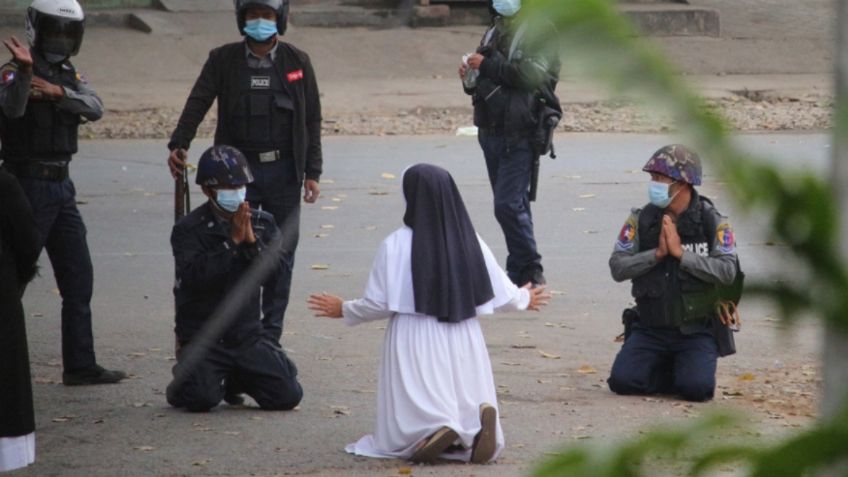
(662, 294)
(216, 81)
(512, 75)
(209, 265)
(18, 254)
(38, 129)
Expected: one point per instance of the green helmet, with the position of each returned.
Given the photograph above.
(678, 162)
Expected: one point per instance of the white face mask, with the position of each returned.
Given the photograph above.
(506, 8)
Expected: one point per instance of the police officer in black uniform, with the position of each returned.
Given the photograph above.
(680, 254)
(214, 248)
(268, 108)
(43, 100)
(505, 78)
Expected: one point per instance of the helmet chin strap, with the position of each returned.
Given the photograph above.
(54, 58)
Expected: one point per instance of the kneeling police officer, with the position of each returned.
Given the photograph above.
(680, 254)
(216, 247)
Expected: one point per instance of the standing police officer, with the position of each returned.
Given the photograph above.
(268, 108)
(43, 99)
(679, 252)
(504, 78)
(215, 248)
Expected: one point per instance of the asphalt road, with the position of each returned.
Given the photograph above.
(128, 429)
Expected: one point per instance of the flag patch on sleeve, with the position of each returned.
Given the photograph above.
(726, 239)
(627, 235)
(7, 77)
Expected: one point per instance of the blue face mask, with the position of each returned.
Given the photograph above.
(230, 199)
(658, 194)
(506, 8)
(260, 29)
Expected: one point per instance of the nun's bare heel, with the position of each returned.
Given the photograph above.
(435, 445)
(485, 442)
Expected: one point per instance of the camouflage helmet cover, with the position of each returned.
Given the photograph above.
(223, 166)
(678, 162)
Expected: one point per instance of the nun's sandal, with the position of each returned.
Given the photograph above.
(435, 445)
(485, 442)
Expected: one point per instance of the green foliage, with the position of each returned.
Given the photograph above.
(799, 203)
(801, 211)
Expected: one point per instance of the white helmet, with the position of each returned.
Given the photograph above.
(55, 27)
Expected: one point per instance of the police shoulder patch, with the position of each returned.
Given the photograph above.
(627, 236)
(725, 238)
(8, 73)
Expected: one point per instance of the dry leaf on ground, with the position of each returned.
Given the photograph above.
(586, 369)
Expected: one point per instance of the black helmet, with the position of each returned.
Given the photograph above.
(223, 166)
(280, 7)
(55, 27)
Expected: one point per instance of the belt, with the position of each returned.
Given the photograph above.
(269, 156)
(38, 170)
(503, 132)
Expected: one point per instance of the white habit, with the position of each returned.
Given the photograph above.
(17, 452)
(432, 374)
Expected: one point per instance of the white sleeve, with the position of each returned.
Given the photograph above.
(374, 304)
(508, 297)
(363, 310)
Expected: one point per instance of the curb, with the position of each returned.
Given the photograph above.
(95, 18)
(652, 19)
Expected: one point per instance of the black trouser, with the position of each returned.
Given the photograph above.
(63, 235)
(656, 360)
(509, 161)
(276, 190)
(257, 366)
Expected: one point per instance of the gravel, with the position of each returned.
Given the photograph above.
(744, 113)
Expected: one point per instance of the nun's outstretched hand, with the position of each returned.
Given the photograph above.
(327, 305)
(539, 296)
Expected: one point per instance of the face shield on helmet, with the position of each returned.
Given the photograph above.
(280, 8)
(55, 27)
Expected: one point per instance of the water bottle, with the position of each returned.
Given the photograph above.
(470, 80)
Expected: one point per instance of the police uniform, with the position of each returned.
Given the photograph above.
(674, 345)
(38, 138)
(269, 108)
(209, 265)
(506, 107)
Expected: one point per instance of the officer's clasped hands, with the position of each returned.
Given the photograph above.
(242, 228)
(671, 238)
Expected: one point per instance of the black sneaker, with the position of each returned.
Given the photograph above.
(94, 375)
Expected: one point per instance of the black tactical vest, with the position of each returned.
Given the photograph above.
(261, 113)
(665, 294)
(44, 132)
